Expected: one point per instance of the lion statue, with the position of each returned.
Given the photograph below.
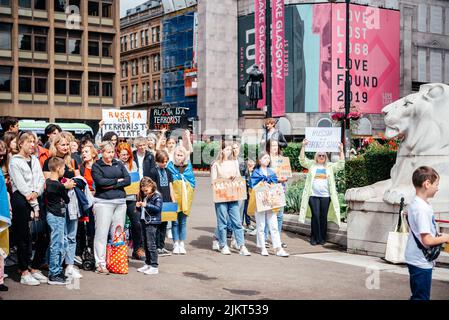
(421, 120)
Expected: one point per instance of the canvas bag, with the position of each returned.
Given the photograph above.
(117, 253)
(397, 239)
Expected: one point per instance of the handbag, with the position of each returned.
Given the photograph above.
(397, 239)
(117, 253)
(37, 227)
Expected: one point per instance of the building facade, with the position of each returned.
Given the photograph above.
(59, 60)
(424, 58)
(140, 61)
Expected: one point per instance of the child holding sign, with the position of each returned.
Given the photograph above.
(261, 176)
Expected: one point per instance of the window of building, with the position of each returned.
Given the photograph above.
(40, 44)
(25, 4)
(94, 88)
(135, 40)
(60, 46)
(131, 45)
(60, 86)
(146, 37)
(33, 38)
(145, 65)
(106, 10)
(40, 4)
(125, 43)
(156, 90)
(25, 35)
(106, 49)
(156, 62)
(60, 5)
(156, 34)
(93, 8)
(33, 80)
(134, 70)
(94, 48)
(5, 79)
(5, 3)
(124, 95)
(144, 91)
(75, 87)
(134, 97)
(122, 42)
(142, 38)
(124, 69)
(106, 88)
(74, 46)
(5, 36)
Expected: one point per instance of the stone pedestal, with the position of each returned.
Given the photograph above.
(253, 119)
(370, 222)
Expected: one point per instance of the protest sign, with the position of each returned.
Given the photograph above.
(169, 118)
(226, 190)
(127, 124)
(133, 188)
(269, 197)
(282, 167)
(323, 139)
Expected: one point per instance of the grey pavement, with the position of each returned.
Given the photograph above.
(319, 272)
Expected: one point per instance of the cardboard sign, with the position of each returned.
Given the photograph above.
(269, 197)
(133, 188)
(127, 124)
(323, 139)
(169, 211)
(226, 190)
(282, 167)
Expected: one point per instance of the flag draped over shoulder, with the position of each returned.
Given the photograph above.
(183, 187)
(257, 177)
(5, 218)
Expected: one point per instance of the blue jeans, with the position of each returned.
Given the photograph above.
(56, 247)
(179, 227)
(70, 229)
(280, 216)
(420, 282)
(229, 211)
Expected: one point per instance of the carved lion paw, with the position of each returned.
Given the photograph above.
(393, 196)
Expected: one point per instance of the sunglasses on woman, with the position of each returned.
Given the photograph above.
(321, 156)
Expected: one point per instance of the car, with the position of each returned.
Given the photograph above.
(77, 129)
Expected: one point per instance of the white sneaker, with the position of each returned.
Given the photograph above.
(29, 280)
(244, 251)
(176, 249)
(264, 252)
(215, 245)
(225, 250)
(182, 249)
(253, 232)
(234, 244)
(144, 268)
(39, 277)
(152, 270)
(281, 253)
(169, 234)
(71, 272)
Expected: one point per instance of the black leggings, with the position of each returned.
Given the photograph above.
(22, 234)
(319, 207)
(136, 228)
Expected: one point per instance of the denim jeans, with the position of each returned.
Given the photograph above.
(229, 211)
(57, 252)
(179, 227)
(136, 229)
(160, 235)
(280, 217)
(420, 282)
(70, 229)
(149, 243)
(243, 212)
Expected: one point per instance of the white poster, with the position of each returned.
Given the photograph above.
(126, 123)
(323, 139)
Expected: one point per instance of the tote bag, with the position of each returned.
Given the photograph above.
(397, 240)
(117, 253)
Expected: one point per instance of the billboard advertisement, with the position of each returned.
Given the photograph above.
(278, 58)
(314, 57)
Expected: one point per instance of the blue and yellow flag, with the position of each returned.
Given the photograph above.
(169, 211)
(133, 188)
(183, 187)
(5, 217)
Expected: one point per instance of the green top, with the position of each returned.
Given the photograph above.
(331, 169)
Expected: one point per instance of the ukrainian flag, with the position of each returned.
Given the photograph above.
(169, 211)
(133, 188)
(5, 218)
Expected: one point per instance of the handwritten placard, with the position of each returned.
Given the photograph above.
(323, 139)
(282, 167)
(127, 124)
(269, 197)
(226, 190)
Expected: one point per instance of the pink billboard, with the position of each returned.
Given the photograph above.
(260, 44)
(278, 58)
(374, 57)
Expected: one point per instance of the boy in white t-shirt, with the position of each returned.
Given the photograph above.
(422, 225)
